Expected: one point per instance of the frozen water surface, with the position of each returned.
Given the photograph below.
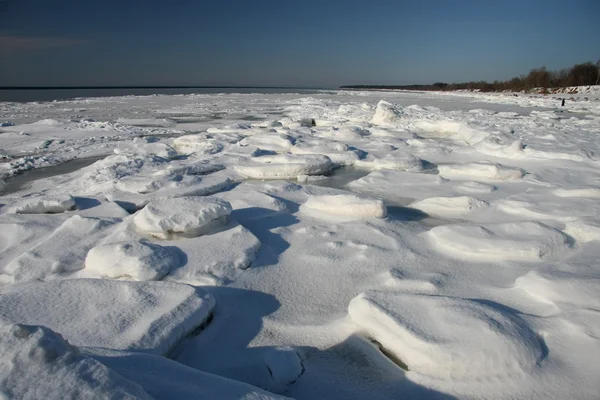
(302, 244)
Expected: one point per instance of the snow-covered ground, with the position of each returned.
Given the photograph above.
(338, 245)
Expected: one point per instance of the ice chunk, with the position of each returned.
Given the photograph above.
(345, 205)
(284, 166)
(450, 341)
(269, 141)
(386, 114)
(399, 161)
(480, 170)
(45, 205)
(449, 207)
(37, 363)
(137, 260)
(339, 153)
(125, 315)
(190, 216)
(511, 241)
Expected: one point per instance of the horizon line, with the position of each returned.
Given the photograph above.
(158, 87)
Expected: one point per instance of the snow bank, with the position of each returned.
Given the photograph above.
(449, 207)
(345, 205)
(45, 205)
(189, 216)
(37, 363)
(284, 166)
(480, 170)
(449, 342)
(136, 260)
(63, 251)
(512, 241)
(139, 316)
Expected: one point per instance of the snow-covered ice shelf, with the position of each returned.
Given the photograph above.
(333, 245)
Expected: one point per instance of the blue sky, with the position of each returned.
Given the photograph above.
(290, 43)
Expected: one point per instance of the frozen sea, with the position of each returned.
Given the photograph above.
(307, 244)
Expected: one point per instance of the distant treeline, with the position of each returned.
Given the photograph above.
(578, 75)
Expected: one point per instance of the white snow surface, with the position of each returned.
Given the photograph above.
(313, 244)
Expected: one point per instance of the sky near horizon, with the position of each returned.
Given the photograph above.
(283, 43)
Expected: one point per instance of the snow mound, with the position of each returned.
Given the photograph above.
(188, 216)
(584, 229)
(480, 170)
(529, 208)
(474, 187)
(149, 317)
(449, 207)
(250, 204)
(449, 342)
(285, 367)
(196, 144)
(513, 241)
(37, 363)
(557, 287)
(146, 147)
(63, 251)
(345, 205)
(45, 205)
(216, 259)
(135, 260)
(285, 166)
(400, 185)
(386, 114)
